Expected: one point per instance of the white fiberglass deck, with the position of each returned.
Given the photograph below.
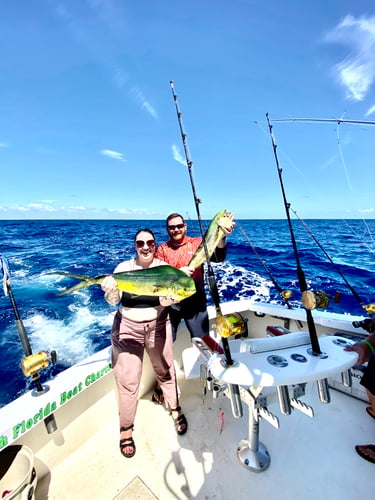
(310, 458)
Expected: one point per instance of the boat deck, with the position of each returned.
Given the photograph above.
(310, 457)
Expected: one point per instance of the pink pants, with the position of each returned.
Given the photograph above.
(129, 340)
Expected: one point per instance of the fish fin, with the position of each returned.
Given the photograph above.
(71, 275)
(78, 286)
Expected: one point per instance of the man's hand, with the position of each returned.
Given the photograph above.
(362, 349)
(167, 301)
(187, 270)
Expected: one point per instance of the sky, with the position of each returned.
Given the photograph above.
(89, 129)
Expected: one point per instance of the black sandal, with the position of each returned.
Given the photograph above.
(180, 423)
(127, 443)
(158, 396)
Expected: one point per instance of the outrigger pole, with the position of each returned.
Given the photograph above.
(210, 273)
(358, 298)
(300, 274)
(322, 120)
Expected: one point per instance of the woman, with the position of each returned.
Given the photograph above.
(141, 322)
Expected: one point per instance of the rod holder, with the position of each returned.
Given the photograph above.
(50, 423)
(235, 399)
(284, 399)
(209, 382)
(217, 390)
(323, 390)
(346, 378)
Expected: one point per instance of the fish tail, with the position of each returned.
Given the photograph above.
(85, 281)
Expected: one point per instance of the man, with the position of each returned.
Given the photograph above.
(366, 352)
(178, 252)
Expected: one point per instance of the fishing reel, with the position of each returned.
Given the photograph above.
(315, 300)
(31, 365)
(231, 324)
(369, 308)
(286, 294)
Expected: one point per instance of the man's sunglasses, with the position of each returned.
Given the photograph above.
(171, 227)
(141, 244)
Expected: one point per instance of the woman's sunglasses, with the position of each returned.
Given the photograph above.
(141, 244)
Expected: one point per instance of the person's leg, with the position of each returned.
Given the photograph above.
(194, 312)
(127, 358)
(371, 409)
(367, 451)
(368, 381)
(159, 346)
(175, 319)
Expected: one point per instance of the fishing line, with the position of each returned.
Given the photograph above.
(212, 285)
(300, 274)
(355, 294)
(338, 122)
(342, 157)
(290, 161)
(283, 293)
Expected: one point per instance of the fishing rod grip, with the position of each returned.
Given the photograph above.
(23, 337)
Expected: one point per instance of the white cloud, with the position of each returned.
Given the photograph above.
(3, 145)
(41, 207)
(113, 154)
(366, 210)
(356, 73)
(177, 156)
(44, 210)
(370, 111)
(139, 98)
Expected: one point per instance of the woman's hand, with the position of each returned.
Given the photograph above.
(111, 292)
(109, 284)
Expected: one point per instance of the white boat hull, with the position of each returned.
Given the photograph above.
(81, 458)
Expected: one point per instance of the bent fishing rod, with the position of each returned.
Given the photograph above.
(300, 274)
(210, 273)
(32, 363)
(355, 294)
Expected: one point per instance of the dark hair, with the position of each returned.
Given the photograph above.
(172, 216)
(146, 230)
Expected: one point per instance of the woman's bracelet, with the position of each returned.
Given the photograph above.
(369, 344)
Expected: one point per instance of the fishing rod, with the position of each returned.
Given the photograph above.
(32, 363)
(366, 307)
(300, 274)
(210, 273)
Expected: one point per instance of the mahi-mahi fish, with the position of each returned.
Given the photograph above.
(212, 237)
(160, 281)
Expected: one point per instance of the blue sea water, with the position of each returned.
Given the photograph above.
(77, 325)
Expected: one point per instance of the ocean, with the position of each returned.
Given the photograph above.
(77, 325)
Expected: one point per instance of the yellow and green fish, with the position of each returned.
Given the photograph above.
(161, 281)
(212, 237)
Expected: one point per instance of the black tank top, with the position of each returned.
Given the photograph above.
(139, 301)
